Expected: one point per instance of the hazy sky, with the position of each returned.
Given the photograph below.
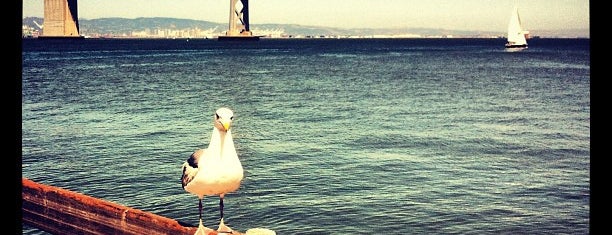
(485, 15)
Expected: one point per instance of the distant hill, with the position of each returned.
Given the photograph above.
(125, 26)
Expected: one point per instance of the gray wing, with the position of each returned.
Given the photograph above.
(190, 167)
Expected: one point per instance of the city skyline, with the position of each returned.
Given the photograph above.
(485, 15)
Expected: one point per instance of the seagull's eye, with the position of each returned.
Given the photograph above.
(217, 116)
(232, 118)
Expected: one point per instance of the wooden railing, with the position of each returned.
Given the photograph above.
(60, 211)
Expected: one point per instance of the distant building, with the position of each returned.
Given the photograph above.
(28, 32)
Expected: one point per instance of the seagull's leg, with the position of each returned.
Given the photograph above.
(222, 227)
(200, 209)
(221, 206)
(201, 229)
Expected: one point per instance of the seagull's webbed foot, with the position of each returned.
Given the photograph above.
(202, 230)
(224, 229)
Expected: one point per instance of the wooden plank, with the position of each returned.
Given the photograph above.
(60, 211)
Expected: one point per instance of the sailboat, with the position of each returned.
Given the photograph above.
(517, 37)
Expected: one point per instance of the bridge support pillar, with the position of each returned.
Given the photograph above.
(61, 19)
(239, 28)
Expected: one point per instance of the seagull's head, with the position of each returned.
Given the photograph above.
(223, 119)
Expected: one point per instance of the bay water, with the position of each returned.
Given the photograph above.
(336, 136)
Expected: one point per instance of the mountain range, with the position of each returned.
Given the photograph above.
(125, 26)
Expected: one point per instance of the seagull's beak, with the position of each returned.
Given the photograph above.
(226, 125)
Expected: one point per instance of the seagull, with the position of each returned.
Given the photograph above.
(215, 170)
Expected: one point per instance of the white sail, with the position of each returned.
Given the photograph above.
(516, 34)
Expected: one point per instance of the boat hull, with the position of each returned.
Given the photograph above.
(61, 37)
(516, 46)
(238, 38)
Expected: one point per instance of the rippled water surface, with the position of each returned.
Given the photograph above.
(410, 136)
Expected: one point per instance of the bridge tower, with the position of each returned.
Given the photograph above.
(61, 19)
(239, 22)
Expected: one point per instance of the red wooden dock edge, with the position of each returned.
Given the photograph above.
(60, 211)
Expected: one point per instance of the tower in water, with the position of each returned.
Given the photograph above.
(239, 22)
(61, 19)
